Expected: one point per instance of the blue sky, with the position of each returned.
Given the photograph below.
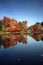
(30, 10)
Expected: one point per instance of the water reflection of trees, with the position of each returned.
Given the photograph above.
(37, 36)
(12, 40)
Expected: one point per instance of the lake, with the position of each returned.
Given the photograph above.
(21, 49)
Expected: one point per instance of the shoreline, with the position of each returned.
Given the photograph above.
(9, 32)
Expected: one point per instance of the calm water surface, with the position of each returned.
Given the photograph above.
(21, 49)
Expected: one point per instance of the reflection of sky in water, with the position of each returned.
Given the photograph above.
(23, 53)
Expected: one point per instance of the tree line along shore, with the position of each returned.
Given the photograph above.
(9, 25)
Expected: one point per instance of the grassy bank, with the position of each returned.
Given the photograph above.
(9, 32)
